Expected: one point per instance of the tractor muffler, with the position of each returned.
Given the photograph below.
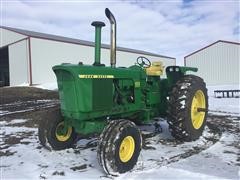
(113, 37)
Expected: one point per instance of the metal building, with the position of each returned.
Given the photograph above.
(28, 57)
(218, 63)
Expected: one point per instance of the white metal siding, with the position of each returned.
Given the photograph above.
(218, 64)
(18, 63)
(46, 53)
(8, 37)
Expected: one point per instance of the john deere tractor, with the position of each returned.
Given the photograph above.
(112, 101)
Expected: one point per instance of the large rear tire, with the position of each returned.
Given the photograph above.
(119, 147)
(187, 108)
(49, 132)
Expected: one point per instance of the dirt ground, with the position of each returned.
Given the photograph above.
(16, 94)
(25, 107)
(26, 103)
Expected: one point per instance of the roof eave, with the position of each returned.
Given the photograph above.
(77, 41)
(205, 47)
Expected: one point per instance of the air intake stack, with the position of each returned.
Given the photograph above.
(98, 26)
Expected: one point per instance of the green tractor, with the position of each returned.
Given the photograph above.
(111, 101)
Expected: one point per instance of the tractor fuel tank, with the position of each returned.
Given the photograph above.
(156, 69)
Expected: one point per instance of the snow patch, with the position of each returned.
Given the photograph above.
(166, 173)
(3, 112)
(17, 121)
(49, 86)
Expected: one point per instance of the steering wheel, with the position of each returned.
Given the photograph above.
(143, 62)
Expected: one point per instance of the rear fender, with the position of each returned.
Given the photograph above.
(174, 73)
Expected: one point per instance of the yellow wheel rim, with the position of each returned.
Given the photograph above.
(127, 148)
(63, 137)
(197, 103)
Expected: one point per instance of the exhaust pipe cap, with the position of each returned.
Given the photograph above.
(107, 12)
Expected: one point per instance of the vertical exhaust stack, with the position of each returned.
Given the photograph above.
(98, 26)
(113, 37)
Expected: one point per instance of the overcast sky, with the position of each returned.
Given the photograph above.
(172, 28)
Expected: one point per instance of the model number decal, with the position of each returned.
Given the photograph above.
(94, 76)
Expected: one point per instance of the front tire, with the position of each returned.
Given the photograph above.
(119, 147)
(50, 132)
(187, 108)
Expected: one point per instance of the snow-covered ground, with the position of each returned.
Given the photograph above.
(214, 156)
(211, 157)
(224, 105)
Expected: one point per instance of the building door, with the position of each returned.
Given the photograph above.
(4, 67)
